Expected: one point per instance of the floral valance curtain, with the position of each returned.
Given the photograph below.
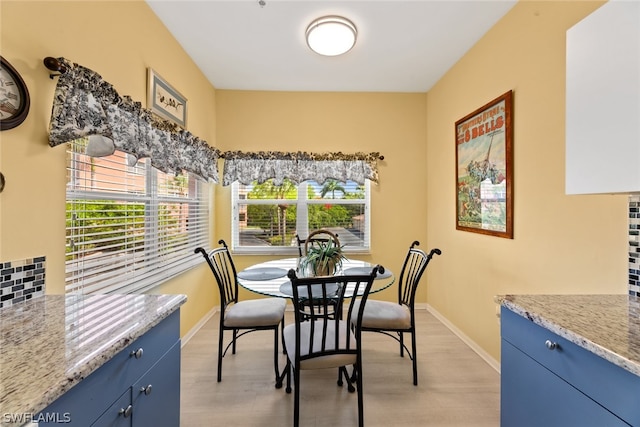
(299, 166)
(85, 105)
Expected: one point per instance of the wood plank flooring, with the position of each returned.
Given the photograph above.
(456, 387)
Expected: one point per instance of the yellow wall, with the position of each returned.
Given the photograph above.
(119, 40)
(562, 244)
(391, 123)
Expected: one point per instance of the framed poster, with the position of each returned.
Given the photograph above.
(165, 101)
(484, 169)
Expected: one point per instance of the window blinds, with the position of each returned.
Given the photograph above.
(129, 228)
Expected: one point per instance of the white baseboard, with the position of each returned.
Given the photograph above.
(199, 325)
(468, 341)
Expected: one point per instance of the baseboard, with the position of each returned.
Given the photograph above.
(199, 325)
(468, 341)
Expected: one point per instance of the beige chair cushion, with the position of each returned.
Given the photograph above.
(321, 362)
(255, 312)
(385, 315)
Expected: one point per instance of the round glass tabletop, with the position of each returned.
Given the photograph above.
(270, 278)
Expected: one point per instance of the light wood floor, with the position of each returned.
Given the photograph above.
(456, 387)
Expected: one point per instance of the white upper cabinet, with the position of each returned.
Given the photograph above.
(603, 101)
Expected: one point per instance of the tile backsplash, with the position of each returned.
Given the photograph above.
(21, 280)
(634, 245)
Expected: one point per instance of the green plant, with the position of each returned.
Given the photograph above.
(322, 258)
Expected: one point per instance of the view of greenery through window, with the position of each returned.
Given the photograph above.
(129, 226)
(272, 215)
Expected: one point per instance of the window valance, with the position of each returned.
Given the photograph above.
(299, 166)
(85, 105)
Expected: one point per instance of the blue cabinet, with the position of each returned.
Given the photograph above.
(139, 386)
(548, 381)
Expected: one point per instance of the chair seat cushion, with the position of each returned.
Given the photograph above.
(255, 313)
(320, 362)
(386, 315)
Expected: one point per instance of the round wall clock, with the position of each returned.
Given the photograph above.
(14, 97)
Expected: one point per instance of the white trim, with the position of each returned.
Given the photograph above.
(468, 341)
(199, 325)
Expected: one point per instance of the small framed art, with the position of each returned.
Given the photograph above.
(165, 101)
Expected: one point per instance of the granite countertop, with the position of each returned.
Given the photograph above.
(606, 325)
(50, 343)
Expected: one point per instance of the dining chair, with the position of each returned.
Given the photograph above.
(320, 235)
(395, 319)
(318, 339)
(242, 317)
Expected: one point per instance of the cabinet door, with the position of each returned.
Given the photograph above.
(119, 414)
(156, 396)
(532, 396)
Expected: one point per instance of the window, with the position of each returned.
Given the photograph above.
(129, 228)
(267, 217)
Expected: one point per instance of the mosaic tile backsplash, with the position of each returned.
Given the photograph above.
(634, 245)
(21, 280)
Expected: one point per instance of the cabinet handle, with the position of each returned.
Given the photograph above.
(551, 345)
(126, 412)
(146, 390)
(137, 353)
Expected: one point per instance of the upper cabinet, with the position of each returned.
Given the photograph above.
(603, 101)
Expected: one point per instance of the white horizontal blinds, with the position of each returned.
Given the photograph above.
(129, 227)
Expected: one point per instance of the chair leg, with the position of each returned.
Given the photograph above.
(296, 398)
(235, 336)
(401, 337)
(275, 357)
(284, 348)
(358, 368)
(350, 379)
(414, 353)
(220, 339)
(288, 372)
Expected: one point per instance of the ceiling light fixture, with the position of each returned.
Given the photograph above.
(331, 35)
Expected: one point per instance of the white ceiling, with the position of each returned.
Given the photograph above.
(402, 46)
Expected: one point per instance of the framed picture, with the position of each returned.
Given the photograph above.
(165, 101)
(484, 169)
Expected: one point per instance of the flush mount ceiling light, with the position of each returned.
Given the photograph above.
(331, 35)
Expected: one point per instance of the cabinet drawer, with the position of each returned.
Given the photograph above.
(533, 396)
(94, 394)
(115, 415)
(611, 386)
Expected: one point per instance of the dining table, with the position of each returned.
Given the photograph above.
(270, 278)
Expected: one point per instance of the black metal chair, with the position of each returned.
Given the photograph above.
(320, 235)
(396, 319)
(246, 316)
(318, 339)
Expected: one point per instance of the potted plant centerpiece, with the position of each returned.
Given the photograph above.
(322, 256)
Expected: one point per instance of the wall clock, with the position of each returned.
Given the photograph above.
(14, 97)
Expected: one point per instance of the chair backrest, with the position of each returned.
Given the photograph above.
(332, 332)
(224, 270)
(320, 235)
(414, 265)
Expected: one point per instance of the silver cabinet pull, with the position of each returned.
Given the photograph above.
(137, 353)
(551, 345)
(126, 412)
(146, 390)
